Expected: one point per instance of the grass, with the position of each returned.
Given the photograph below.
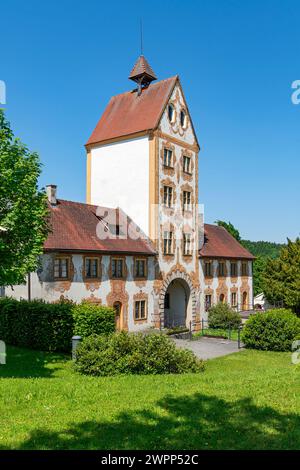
(247, 400)
(219, 333)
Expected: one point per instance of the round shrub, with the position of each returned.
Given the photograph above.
(223, 316)
(93, 319)
(274, 330)
(129, 353)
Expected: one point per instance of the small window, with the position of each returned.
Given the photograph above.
(221, 268)
(171, 113)
(168, 243)
(167, 301)
(61, 268)
(187, 196)
(207, 302)
(233, 269)
(244, 269)
(91, 268)
(222, 298)
(168, 158)
(233, 299)
(208, 268)
(117, 268)
(183, 118)
(186, 164)
(187, 244)
(140, 268)
(140, 310)
(168, 193)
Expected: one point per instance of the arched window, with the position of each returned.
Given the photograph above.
(222, 298)
(183, 118)
(118, 317)
(171, 113)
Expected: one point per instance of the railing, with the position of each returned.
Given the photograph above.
(231, 332)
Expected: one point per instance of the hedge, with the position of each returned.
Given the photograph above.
(274, 330)
(50, 326)
(130, 353)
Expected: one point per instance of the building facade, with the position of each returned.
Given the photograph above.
(151, 256)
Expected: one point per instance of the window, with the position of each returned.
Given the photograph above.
(140, 310)
(168, 157)
(168, 243)
(186, 200)
(186, 164)
(168, 193)
(140, 268)
(233, 299)
(207, 302)
(171, 113)
(91, 268)
(183, 118)
(221, 268)
(167, 301)
(207, 268)
(61, 268)
(244, 269)
(222, 298)
(117, 268)
(233, 269)
(187, 244)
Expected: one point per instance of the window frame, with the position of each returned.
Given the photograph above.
(173, 119)
(139, 302)
(168, 162)
(233, 295)
(113, 259)
(244, 272)
(59, 259)
(169, 244)
(91, 258)
(208, 304)
(185, 158)
(233, 272)
(223, 264)
(208, 263)
(188, 205)
(188, 243)
(136, 274)
(168, 195)
(184, 124)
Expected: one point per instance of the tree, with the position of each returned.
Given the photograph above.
(23, 208)
(281, 278)
(230, 228)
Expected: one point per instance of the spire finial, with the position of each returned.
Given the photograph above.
(141, 29)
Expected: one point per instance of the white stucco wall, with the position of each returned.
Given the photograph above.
(120, 178)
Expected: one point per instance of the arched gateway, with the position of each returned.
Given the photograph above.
(177, 301)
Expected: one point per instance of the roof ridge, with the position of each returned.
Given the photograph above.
(144, 89)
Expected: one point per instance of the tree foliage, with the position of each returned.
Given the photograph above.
(281, 279)
(230, 228)
(23, 208)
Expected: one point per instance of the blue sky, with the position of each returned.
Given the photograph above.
(62, 60)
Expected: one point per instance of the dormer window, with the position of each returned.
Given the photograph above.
(183, 118)
(171, 113)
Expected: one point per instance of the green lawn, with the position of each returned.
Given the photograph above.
(219, 333)
(248, 400)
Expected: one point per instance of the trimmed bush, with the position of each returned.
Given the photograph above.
(36, 324)
(92, 319)
(223, 316)
(274, 330)
(129, 353)
(50, 326)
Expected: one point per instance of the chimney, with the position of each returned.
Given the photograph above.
(51, 194)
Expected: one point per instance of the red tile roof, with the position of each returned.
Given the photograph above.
(75, 225)
(129, 113)
(218, 243)
(142, 67)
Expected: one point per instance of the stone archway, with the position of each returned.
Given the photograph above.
(183, 281)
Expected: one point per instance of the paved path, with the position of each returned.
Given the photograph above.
(208, 348)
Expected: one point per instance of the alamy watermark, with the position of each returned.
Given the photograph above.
(295, 97)
(2, 92)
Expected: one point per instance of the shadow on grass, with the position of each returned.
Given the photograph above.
(186, 422)
(26, 363)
